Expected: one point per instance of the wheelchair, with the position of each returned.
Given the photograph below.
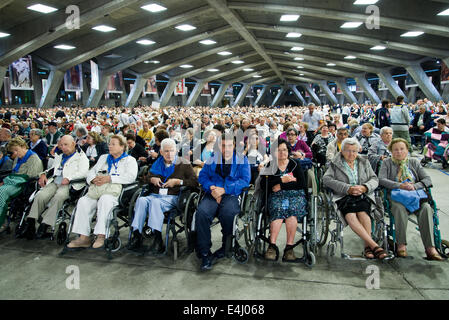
(441, 245)
(174, 219)
(120, 212)
(242, 223)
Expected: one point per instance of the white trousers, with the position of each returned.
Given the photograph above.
(85, 210)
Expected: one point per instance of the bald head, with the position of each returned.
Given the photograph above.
(67, 145)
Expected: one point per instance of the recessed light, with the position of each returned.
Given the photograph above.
(185, 27)
(349, 25)
(238, 62)
(213, 70)
(152, 61)
(331, 64)
(256, 76)
(299, 59)
(412, 34)
(297, 49)
(145, 42)
(42, 8)
(104, 28)
(289, 17)
(186, 66)
(64, 47)
(378, 48)
(300, 67)
(154, 7)
(146, 62)
(113, 56)
(293, 35)
(301, 74)
(208, 42)
(365, 2)
(2, 34)
(248, 69)
(224, 53)
(444, 13)
(350, 57)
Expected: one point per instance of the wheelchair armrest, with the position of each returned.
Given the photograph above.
(77, 181)
(129, 186)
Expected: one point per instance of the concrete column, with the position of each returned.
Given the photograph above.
(280, 94)
(262, 93)
(51, 90)
(361, 81)
(412, 94)
(124, 96)
(420, 77)
(168, 92)
(37, 84)
(395, 90)
(96, 95)
(135, 92)
(195, 93)
(2, 75)
(312, 94)
(242, 94)
(85, 93)
(445, 91)
(298, 94)
(328, 92)
(341, 99)
(348, 94)
(220, 94)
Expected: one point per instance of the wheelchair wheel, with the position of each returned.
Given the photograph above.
(132, 204)
(331, 249)
(251, 225)
(241, 255)
(445, 247)
(263, 231)
(322, 222)
(116, 244)
(189, 211)
(61, 236)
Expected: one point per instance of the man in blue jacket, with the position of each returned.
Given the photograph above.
(223, 178)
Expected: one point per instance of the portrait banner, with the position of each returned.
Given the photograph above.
(20, 74)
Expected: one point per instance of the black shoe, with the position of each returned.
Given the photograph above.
(29, 231)
(157, 247)
(136, 241)
(425, 161)
(206, 263)
(218, 255)
(42, 231)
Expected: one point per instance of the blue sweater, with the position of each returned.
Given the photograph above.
(238, 179)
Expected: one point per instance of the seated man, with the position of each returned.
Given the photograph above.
(223, 178)
(71, 164)
(165, 179)
(134, 149)
(422, 121)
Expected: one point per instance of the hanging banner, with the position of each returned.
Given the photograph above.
(444, 73)
(382, 85)
(73, 79)
(180, 88)
(250, 93)
(115, 83)
(229, 91)
(95, 81)
(20, 74)
(206, 91)
(150, 86)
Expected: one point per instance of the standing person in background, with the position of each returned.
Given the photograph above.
(382, 115)
(400, 120)
(312, 118)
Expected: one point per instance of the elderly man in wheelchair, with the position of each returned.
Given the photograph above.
(165, 179)
(223, 178)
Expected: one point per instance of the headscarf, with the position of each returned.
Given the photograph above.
(404, 172)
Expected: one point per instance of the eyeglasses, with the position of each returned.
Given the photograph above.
(291, 134)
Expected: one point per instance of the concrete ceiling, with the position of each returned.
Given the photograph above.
(252, 30)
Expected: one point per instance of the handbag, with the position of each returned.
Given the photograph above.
(350, 201)
(411, 200)
(95, 192)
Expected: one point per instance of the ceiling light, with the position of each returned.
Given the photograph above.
(349, 25)
(42, 8)
(350, 57)
(64, 47)
(297, 49)
(154, 7)
(238, 62)
(299, 59)
(444, 13)
(145, 42)
(331, 64)
(113, 56)
(213, 70)
(186, 66)
(293, 35)
(365, 2)
(411, 34)
(104, 28)
(224, 53)
(208, 42)
(152, 61)
(2, 34)
(248, 69)
(378, 48)
(289, 17)
(185, 27)
(301, 74)
(300, 67)
(257, 76)
(146, 62)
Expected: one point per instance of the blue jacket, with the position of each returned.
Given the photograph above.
(238, 179)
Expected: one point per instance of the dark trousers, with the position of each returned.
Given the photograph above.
(310, 136)
(345, 117)
(208, 209)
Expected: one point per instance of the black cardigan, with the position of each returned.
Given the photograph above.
(293, 166)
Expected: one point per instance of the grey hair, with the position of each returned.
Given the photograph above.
(168, 142)
(351, 142)
(382, 131)
(82, 130)
(311, 104)
(37, 132)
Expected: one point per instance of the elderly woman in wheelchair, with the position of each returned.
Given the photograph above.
(353, 182)
(286, 199)
(105, 181)
(406, 178)
(165, 179)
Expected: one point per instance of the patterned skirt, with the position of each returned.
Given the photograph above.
(286, 203)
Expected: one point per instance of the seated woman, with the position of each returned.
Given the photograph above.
(94, 148)
(405, 173)
(5, 162)
(255, 158)
(134, 149)
(105, 182)
(334, 147)
(287, 201)
(26, 165)
(299, 149)
(439, 139)
(202, 152)
(37, 145)
(165, 179)
(367, 137)
(353, 181)
(379, 151)
(320, 143)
